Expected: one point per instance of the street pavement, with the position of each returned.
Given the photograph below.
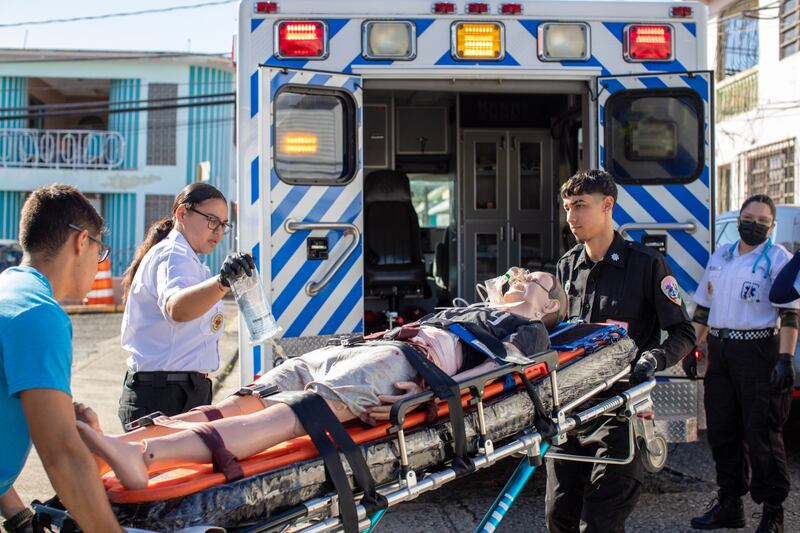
(669, 499)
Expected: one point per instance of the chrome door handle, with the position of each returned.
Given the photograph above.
(689, 227)
(313, 288)
(513, 233)
(503, 232)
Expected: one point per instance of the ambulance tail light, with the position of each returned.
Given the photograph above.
(389, 40)
(301, 38)
(444, 8)
(563, 41)
(298, 144)
(482, 41)
(652, 42)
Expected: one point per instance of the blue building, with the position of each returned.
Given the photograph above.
(129, 129)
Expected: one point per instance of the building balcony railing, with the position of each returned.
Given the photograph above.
(65, 149)
(736, 96)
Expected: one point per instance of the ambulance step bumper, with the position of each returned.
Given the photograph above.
(679, 408)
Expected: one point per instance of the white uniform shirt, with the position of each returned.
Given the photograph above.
(738, 298)
(154, 340)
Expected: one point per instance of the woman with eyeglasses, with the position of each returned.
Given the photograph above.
(173, 316)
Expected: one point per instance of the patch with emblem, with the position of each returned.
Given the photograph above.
(669, 286)
(710, 289)
(217, 321)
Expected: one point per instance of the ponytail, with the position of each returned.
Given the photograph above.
(157, 233)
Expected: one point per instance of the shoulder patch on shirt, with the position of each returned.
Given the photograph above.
(669, 286)
(216, 322)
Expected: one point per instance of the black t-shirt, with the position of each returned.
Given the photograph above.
(492, 327)
(632, 285)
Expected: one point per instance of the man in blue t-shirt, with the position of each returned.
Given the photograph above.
(59, 234)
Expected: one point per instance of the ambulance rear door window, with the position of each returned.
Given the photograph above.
(654, 136)
(314, 136)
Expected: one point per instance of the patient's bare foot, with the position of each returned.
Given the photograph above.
(124, 458)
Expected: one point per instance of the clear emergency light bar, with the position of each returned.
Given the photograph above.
(559, 41)
(651, 42)
(477, 40)
(385, 39)
(301, 38)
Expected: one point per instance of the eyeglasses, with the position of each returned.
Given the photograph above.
(102, 255)
(213, 222)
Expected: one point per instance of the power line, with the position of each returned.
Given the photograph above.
(102, 104)
(112, 111)
(115, 15)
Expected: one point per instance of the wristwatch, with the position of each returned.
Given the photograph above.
(17, 523)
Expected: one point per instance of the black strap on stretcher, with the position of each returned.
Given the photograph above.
(325, 429)
(445, 388)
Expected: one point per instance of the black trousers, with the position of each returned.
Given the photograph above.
(589, 497)
(745, 419)
(140, 398)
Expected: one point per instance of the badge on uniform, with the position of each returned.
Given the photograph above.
(710, 289)
(217, 321)
(669, 286)
(749, 291)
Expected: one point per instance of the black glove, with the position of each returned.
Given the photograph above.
(234, 266)
(22, 522)
(782, 377)
(645, 367)
(689, 363)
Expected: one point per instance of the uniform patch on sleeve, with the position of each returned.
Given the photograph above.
(669, 286)
(217, 321)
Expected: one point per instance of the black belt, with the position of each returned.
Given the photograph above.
(168, 377)
(743, 334)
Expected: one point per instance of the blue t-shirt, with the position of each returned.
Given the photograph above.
(35, 353)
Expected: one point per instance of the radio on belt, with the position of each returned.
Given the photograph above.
(317, 248)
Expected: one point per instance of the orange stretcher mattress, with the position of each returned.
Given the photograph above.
(187, 480)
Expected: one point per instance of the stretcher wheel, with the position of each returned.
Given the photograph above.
(654, 456)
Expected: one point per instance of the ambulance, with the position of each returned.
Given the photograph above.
(392, 155)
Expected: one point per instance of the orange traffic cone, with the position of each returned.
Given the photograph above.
(101, 293)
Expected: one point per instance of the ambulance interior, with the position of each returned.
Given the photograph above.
(461, 183)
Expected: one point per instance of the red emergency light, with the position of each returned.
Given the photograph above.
(511, 9)
(680, 12)
(444, 8)
(652, 42)
(302, 38)
(477, 8)
(265, 8)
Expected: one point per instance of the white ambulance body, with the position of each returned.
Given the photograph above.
(487, 108)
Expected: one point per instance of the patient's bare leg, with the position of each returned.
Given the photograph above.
(243, 435)
(230, 406)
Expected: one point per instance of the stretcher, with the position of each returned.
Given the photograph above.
(288, 487)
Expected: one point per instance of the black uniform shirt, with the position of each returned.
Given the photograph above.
(632, 285)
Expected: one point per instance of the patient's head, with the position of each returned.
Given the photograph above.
(541, 296)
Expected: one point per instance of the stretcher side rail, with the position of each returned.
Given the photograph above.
(628, 403)
(476, 387)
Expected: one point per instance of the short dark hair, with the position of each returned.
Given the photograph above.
(762, 199)
(590, 182)
(556, 292)
(47, 214)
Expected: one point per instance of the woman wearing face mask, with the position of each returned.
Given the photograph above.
(750, 373)
(173, 314)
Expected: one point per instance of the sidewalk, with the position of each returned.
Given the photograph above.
(97, 373)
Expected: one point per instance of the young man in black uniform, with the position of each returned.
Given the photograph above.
(609, 279)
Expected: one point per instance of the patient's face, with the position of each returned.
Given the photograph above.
(531, 289)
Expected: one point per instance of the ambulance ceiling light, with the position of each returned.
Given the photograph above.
(477, 8)
(301, 38)
(444, 8)
(563, 41)
(298, 143)
(265, 8)
(652, 42)
(389, 39)
(482, 41)
(510, 9)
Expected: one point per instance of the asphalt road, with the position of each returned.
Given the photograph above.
(669, 500)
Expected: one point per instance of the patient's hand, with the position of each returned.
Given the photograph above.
(86, 414)
(381, 412)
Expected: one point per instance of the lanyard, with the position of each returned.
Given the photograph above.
(728, 255)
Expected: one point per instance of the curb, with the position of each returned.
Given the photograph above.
(96, 308)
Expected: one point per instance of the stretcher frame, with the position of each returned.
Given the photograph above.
(634, 404)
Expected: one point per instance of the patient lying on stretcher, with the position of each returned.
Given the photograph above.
(361, 381)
